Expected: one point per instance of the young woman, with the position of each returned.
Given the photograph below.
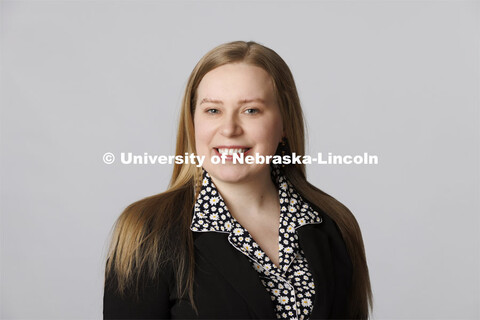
(238, 241)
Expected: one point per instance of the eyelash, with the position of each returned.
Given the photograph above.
(215, 111)
(256, 111)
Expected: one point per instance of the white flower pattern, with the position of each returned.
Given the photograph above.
(291, 286)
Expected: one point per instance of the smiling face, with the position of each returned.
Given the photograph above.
(236, 112)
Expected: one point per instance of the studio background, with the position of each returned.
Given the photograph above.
(398, 79)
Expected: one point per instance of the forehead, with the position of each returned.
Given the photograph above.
(236, 81)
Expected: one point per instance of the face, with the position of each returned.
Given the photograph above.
(236, 112)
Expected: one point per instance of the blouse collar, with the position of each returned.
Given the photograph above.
(211, 212)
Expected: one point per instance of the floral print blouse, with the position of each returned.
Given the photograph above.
(291, 285)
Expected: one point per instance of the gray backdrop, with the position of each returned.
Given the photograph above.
(398, 79)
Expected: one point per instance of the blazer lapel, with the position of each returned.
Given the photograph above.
(315, 244)
(237, 270)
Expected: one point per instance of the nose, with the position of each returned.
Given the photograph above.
(231, 126)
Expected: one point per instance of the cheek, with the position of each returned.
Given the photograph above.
(202, 136)
(270, 133)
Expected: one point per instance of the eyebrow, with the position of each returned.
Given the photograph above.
(239, 101)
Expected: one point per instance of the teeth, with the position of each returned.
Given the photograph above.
(230, 152)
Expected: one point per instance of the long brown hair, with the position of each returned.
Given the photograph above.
(156, 230)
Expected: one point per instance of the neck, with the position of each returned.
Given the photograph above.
(250, 198)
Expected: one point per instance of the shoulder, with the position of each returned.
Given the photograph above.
(328, 223)
(333, 233)
(149, 298)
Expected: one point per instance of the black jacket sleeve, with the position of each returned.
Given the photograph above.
(152, 302)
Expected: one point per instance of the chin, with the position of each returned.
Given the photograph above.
(230, 173)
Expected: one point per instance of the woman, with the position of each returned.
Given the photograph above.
(238, 241)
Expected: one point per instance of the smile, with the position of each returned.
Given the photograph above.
(230, 151)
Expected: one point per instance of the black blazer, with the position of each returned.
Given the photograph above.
(227, 287)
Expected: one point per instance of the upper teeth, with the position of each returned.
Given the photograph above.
(230, 152)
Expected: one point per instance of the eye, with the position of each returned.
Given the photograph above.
(212, 111)
(251, 111)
